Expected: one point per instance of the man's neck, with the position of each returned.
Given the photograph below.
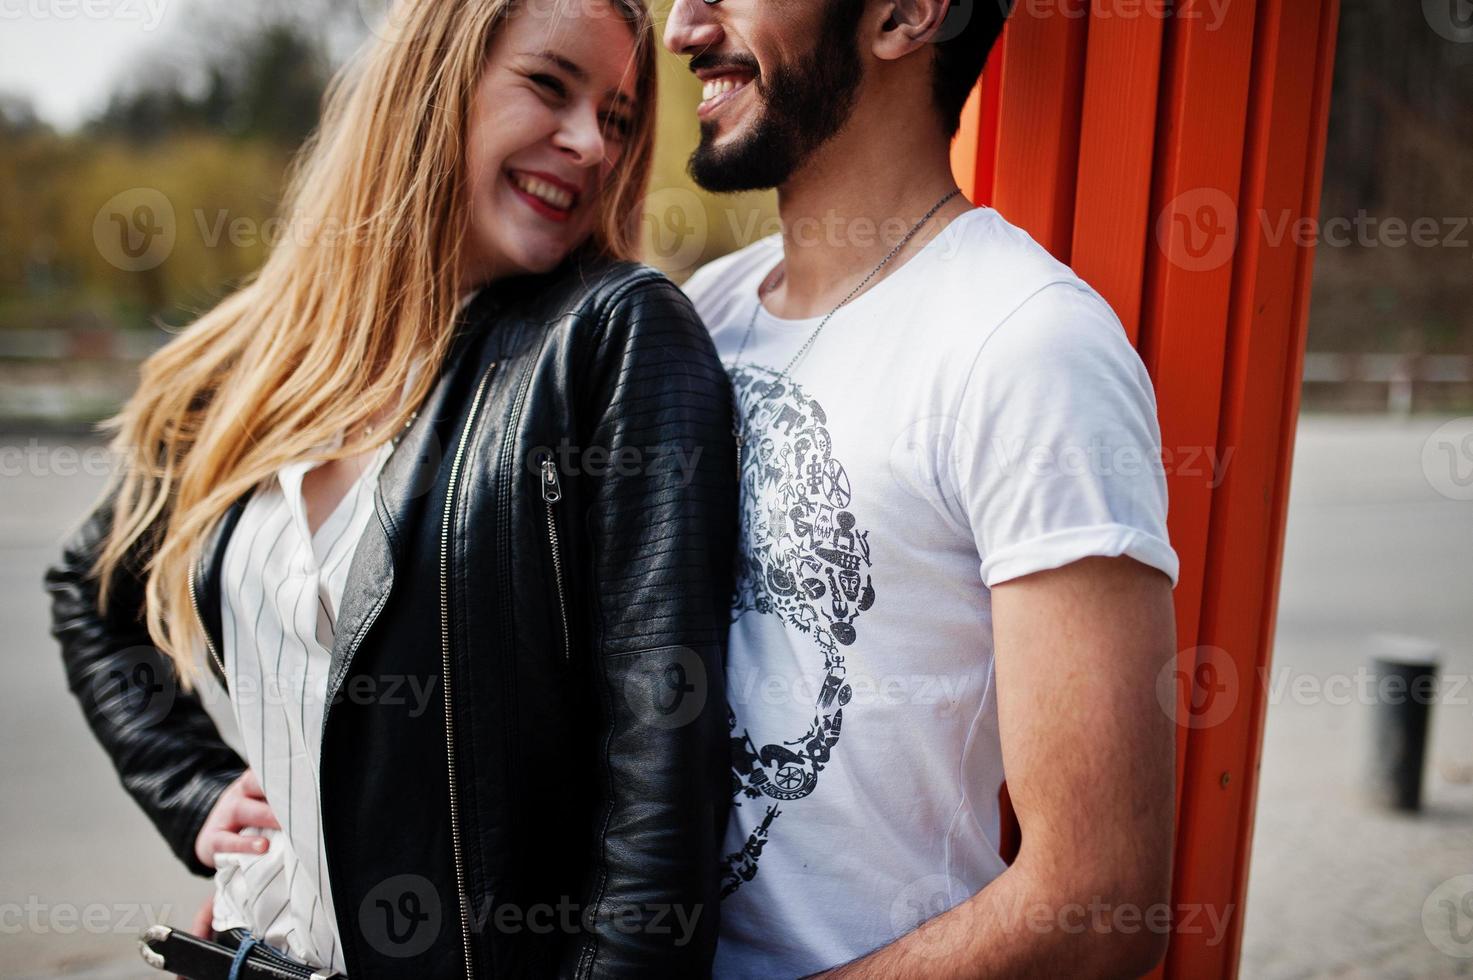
(844, 211)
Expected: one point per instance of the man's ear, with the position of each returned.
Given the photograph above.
(908, 25)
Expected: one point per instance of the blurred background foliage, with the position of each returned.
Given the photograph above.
(1400, 148)
(211, 115)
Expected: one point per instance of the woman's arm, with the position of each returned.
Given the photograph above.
(165, 747)
(662, 525)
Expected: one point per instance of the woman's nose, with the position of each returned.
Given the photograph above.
(582, 136)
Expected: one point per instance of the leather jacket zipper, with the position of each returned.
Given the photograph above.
(552, 492)
(445, 666)
(200, 618)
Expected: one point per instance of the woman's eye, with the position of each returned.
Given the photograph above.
(552, 84)
(619, 125)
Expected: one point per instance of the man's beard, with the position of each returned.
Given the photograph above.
(800, 108)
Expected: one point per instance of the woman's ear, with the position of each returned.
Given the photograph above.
(908, 25)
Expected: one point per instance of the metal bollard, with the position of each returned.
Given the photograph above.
(1404, 673)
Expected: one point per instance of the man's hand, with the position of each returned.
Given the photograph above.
(243, 804)
(1090, 756)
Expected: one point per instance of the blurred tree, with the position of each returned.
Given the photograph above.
(256, 78)
(1399, 152)
(211, 114)
(18, 116)
(208, 118)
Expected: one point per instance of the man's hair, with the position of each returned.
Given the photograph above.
(968, 33)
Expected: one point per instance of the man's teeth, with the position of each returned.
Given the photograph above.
(720, 86)
(543, 191)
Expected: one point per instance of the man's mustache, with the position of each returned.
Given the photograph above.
(707, 59)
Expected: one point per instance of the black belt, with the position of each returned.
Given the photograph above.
(198, 959)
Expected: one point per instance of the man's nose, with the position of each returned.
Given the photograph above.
(692, 27)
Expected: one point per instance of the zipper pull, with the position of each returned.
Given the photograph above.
(552, 492)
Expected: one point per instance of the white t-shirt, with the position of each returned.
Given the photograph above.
(977, 415)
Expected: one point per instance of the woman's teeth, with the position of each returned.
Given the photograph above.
(720, 86)
(552, 196)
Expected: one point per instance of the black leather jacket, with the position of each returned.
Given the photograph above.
(552, 559)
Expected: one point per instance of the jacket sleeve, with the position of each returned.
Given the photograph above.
(662, 524)
(163, 744)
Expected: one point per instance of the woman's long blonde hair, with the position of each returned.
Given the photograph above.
(322, 337)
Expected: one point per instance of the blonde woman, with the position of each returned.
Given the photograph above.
(437, 513)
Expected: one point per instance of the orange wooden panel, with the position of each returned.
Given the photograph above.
(1206, 67)
(1042, 91)
(1162, 159)
(1289, 423)
(1189, 268)
(967, 145)
(1265, 344)
(974, 147)
(988, 121)
(1116, 151)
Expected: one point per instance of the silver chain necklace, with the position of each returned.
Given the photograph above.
(736, 423)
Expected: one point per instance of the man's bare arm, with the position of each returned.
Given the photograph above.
(1091, 761)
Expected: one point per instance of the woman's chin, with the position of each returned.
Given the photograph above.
(540, 256)
(546, 262)
(524, 251)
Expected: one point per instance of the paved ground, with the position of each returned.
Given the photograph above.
(82, 871)
(1337, 890)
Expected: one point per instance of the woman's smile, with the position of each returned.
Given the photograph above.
(545, 194)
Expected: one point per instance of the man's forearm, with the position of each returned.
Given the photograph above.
(1020, 926)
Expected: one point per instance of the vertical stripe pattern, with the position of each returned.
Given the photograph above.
(280, 591)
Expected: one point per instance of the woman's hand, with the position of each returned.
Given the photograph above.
(203, 925)
(243, 804)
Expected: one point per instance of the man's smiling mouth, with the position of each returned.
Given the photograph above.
(718, 90)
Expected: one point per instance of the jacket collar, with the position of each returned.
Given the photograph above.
(406, 474)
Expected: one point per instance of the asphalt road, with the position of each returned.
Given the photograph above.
(1337, 889)
(82, 870)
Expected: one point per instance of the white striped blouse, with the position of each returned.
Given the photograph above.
(280, 589)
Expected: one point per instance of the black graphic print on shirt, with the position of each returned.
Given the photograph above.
(803, 557)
